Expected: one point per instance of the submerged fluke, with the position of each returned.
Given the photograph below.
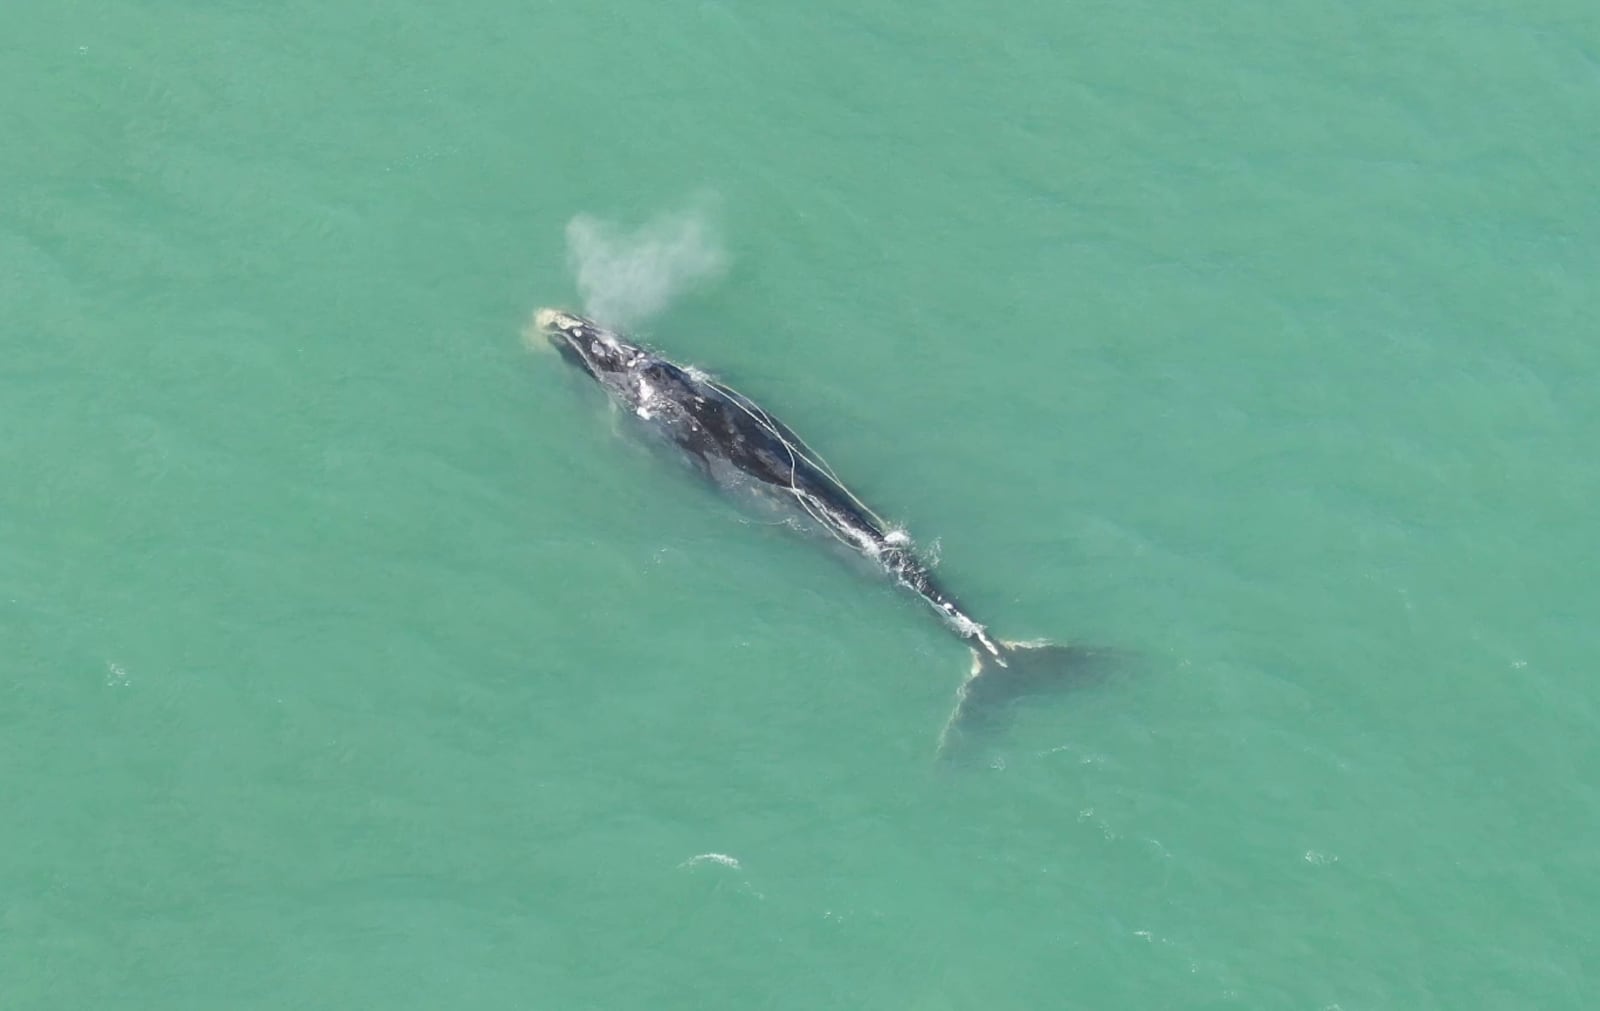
(1021, 670)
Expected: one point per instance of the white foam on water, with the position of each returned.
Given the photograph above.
(712, 858)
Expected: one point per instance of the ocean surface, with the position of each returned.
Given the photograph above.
(353, 654)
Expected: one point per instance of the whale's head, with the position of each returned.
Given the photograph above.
(588, 345)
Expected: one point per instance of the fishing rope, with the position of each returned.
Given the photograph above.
(758, 414)
(827, 520)
(761, 418)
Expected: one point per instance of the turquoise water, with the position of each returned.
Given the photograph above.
(355, 657)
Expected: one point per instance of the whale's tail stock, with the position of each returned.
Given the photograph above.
(1004, 672)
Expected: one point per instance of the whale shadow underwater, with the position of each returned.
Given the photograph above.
(737, 445)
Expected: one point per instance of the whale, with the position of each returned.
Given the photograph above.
(735, 443)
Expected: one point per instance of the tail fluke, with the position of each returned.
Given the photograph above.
(1004, 672)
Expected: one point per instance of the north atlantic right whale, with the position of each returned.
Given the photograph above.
(734, 441)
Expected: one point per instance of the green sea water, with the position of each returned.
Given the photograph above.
(352, 655)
